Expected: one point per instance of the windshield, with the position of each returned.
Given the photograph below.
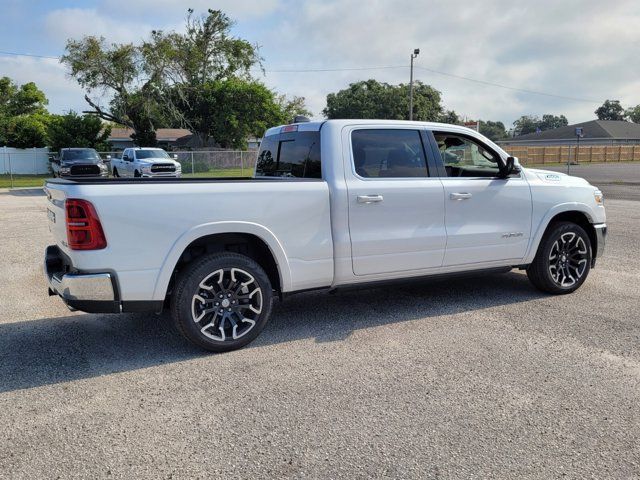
(80, 154)
(141, 154)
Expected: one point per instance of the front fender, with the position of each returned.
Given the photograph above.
(536, 238)
(260, 231)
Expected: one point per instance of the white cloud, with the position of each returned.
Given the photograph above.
(50, 76)
(77, 22)
(576, 48)
(237, 9)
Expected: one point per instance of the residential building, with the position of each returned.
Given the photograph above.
(596, 132)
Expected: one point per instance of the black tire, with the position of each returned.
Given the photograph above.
(115, 173)
(137, 174)
(190, 298)
(555, 267)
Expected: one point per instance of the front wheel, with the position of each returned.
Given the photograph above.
(563, 261)
(222, 301)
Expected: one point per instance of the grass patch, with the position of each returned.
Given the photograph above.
(22, 180)
(38, 180)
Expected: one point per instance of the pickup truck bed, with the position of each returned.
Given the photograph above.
(149, 223)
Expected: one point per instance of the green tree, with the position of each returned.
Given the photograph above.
(493, 130)
(23, 115)
(633, 114)
(549, 122)
(290, 107)
(373, 99)
(531, 123)
(73, 130)
(526, 124)
(449, 116)
(610, 110)
(188, 64)
(25, 131)
(119, 70)
(232, 110)
(26, 99)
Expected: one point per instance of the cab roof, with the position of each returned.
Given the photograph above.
(338, 124)
(316, 125)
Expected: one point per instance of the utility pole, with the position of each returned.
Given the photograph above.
(413, 55)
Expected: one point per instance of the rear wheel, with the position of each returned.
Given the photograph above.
(563, 261)
(222, 301)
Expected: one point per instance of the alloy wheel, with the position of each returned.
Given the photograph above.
(227, 304)
(568, 259)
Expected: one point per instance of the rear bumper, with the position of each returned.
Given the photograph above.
(89, 292)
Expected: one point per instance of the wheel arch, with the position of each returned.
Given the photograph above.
(253, 240)
(574, 212)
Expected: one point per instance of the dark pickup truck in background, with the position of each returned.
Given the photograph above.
(78, 162)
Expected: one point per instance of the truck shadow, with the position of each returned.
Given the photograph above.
(53, 350)
(26, 192)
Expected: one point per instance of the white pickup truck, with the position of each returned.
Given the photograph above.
(145, 162)
(331, 204)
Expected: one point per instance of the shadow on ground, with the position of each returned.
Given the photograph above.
(53, 350)
(26, 192)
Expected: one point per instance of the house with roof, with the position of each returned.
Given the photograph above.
(168, 138)
(596, 132)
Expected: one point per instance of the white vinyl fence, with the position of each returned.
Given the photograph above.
(24, 161)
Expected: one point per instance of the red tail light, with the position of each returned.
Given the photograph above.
(84, 231)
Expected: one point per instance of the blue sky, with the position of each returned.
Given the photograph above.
(576, 48)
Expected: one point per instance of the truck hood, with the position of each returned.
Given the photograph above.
(559, 178)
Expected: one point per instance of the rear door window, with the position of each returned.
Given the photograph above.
(294, 155)
(388, 153)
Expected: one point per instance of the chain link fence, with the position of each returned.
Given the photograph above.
(30, 167)
(210, 163)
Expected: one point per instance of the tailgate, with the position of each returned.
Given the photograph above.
(56, 214)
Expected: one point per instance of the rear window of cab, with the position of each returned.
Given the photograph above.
(291, 154)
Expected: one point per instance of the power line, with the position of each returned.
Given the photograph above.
(492, 84)
(311, 70)
(27, 55)
(380, 67)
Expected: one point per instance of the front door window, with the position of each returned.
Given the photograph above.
(463, 157)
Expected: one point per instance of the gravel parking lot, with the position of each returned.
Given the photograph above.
(459, 379)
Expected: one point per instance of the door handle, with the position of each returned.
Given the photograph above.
(460, 196)
(370, 198)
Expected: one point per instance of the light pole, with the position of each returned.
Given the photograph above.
(413, 55)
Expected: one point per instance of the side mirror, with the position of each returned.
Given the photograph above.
(108, 157)
(175, 156)
(125, 158)
(510, 167)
